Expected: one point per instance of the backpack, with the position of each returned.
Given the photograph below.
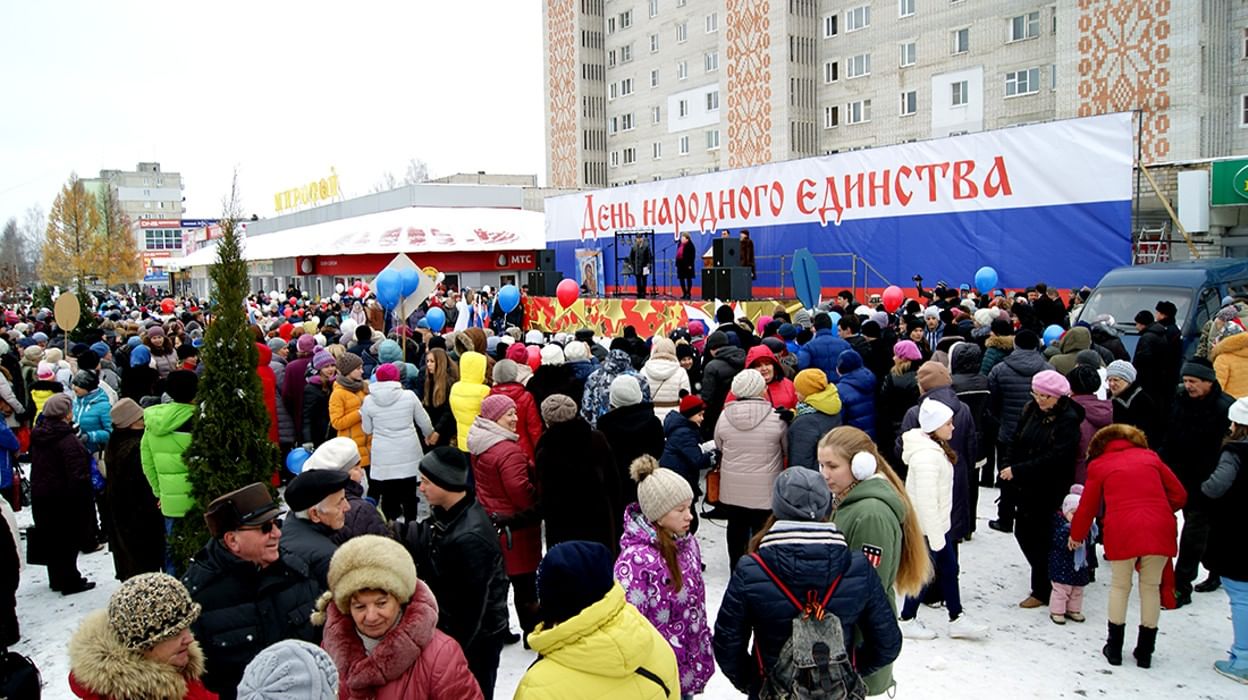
(19, 677)
(813, 664)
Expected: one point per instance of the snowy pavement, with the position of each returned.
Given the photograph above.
(1027, 656)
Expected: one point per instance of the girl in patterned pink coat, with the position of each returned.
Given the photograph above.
(660, 568)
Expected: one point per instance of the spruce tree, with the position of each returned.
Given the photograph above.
(230, 445)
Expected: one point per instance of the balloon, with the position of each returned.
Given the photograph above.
(508, 298)
(436, 318)
(410, 279)
(893, 298)
(985, 279)
(295, 459)
(287, 312)
(339, 287)
(761, 324)
(335, 298)
(357, 292)
(836, 318)
(1052, 334)
(567, 292)
(534, 357)
(389, 288)
(166, 306)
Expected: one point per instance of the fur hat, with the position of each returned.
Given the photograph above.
(576, 351)
(348, 363)
(506, 371)
(58, 406)
(659, 490)
(125, 413)
(1050, 383)
(446, 467)
(810, 381)
(552, 355)
(1002, 327)
(558, 408)
(1083, 380)
(748, 384)
(1122, 369)
(496, 406)
(181, 385)
(625, 391)
(1026, 340)
(340, 453)
(801, 494)
(148, 609)
(933, 375)
(932, 415)
(33, 353)
(367, 562)
(291, 669)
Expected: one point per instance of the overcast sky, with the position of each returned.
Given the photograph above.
(280, 90)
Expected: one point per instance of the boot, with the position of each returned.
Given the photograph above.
(1113, 645)
(1144, 647)
(1209, 585)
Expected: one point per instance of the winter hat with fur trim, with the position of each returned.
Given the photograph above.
(291, 669)
(659, 490)
(367, 562)
(149, 608)
(558, 408)
(748, 384)
(625, 391)
(496, 406)
(932, 415)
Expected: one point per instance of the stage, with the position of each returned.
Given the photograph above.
(608, 316)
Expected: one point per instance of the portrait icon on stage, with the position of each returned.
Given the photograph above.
(589, 271)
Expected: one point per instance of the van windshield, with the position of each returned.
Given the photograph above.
(1123, 303)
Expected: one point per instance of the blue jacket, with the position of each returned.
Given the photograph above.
(1062, 560)
(857, 391)
(8, 446)
(91, 415)
(681, 452)
(822, 352)
(754, 605)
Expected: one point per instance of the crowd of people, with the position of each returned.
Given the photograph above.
(844, 448)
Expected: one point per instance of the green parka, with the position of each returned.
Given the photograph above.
(165, 438)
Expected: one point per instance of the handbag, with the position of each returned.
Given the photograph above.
(36, 547)
(19, 677)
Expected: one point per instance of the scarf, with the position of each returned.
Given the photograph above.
(350, 384)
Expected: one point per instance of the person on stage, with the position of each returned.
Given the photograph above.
(686, 258)
(641, 259)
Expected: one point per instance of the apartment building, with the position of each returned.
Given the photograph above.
(152, 199)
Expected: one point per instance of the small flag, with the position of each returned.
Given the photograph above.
(873, 554)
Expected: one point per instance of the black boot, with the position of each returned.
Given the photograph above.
(1144, 647)
(1209, 585)
(1113, 645)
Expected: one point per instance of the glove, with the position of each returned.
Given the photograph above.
(785, 414)
(308, 446)
(708, 446)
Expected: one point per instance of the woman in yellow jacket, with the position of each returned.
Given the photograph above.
(467, 394)
(591, 643)
(345, 401)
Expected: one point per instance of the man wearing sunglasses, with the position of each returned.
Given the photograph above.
(252, 594)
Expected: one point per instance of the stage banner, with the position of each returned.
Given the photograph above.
(589, 271)
(1045, 202)
(609, 317)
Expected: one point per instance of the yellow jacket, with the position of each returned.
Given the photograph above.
(597, 654)
(467, 395)
(1230, 362)
(344, 415)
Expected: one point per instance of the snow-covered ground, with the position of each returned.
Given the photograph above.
(1027, 656)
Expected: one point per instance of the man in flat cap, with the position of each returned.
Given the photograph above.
(318, 504)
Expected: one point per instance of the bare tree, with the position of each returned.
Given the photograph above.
(34, 229)
(417, 172)
(11, 255)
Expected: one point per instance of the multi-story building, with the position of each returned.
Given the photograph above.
(650, 89)
(148, 195)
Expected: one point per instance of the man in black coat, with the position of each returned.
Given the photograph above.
(1156, 361)
(318, 505)
(457, 553)
(1193, 443)
(251, 594)
(726, 361)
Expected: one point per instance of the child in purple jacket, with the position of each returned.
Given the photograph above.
(660, 568)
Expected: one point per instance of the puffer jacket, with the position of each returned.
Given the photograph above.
(596, 654)
(101, 668)
(504, 478)
(1097, 414)
(1230, 362)
(311, 542)
(597, 398)
(316, 428)
(680, 617)
(818, 414)
(898, 394)
(964, 443)
(857, 392)
(413, 661)
(91, 415)
(1042, 456)
(268, 384)
(717, 377)
(753, 443)
(631, 431)
(344, 416)
(1073, 342)
(529, 425)
(166, 436)
(1227, 491)
(286, 432)
(666, 379)
(578, 485)
(467, 395)
(682, 452)
(822, 352)
(808, 558)
(929, 483)
(971, 388)
(1010, 384)
(390, 414)
(780, 390)
(996, 348)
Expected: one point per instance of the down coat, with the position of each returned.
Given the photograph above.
(91, 415)
(929, 482)
(682, 451)
(467, 395)
(780, 390)
(504, 478)
(390, 414)
(666, 379)
(753, 443)
(344, 416)
(857, 392)
(1230, 362)
(166, 436)
(529, 427)
(818, 414)
(822, 352)
(965, 445)
(1010, 384)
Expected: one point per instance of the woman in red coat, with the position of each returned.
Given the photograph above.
(1140, 495)
(504, 478)
(268, 382)
(529, 417)
(780, 390)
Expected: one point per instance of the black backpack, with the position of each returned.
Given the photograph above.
(19, 677)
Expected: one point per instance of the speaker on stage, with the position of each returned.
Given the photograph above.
(709, 288)
(726, 252)
(727, 283)
(546, 259)
(543, 283)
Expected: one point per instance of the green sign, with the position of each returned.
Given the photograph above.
(1229, 184)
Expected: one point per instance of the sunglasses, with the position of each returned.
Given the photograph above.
(265, 528)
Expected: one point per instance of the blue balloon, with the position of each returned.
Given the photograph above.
(508, 298)
(410, 280)
(1052, 334)
(436, 318)
(295, 459)
(389, 288)
(985, 279)
(836, 318)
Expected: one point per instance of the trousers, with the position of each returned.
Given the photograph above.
(1035, 534)
(1065, 598)
(1122, 571)
(1237, 591)
(1196, 526)
(743, 523)
(946, 564)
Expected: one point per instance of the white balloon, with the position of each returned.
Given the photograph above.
(357, 292)
(339, 287)
(335, 298)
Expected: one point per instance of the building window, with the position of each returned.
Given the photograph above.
(710, 61)
(630, 155)
(831, 117)
(613, 125)
(960, 94)
(909, 103)
(909, 53)
(626, 122)
(831, 72)
(712, 23)
(684, 145)
(858, 66)
(654, 43)
(162, 239)
(626, 87)
(1243, 110)
(626, 19)
(712, 139)
(1023, 82)
(829, 26)
(654, 8)
(682, 32)
(1246, 44)
(1053, 77)
(682, 70)
(857, 18)
(905, 8)
(712, 100)
(962, 40)
(656, 150)
(682, 108)
(615, 159)
(611, 58)
(626, 53)
(656, 115)
(1025, 26)
(610, 25)
(858, 112)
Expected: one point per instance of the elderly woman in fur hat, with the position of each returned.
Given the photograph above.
(381, 627)
(141, 646)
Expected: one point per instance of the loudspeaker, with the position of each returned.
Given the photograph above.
(709, 288)
(543, 283)
(727, 283)
(726, 252)
(545, 260)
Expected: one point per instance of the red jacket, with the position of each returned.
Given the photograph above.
(268, 380)
(1140, 495)
(530, 426)
(505, 482)
(780, 391)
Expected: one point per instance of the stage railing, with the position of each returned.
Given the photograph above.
(859, 271)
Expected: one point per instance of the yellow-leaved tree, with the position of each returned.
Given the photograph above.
(70, 250)
(115, 244)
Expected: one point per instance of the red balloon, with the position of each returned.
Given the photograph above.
(567, 292)
(166, 306)
(535, 353)
(893, 298)
(287, 312)
(293, 301)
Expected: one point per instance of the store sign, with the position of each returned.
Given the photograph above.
(506, 261)
(199, 223)
(160, 223)
(1230, 183)
(260, 268)
(315, 192)
(151, 273)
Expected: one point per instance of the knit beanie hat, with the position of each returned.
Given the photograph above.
(801, 318)
(787, 331)
(155, 331)
(58, 406)
(1083, 380)
(517, 353)
(625, 391)
(533, 337)
(322, 359)
(552, 355)
(496, 406)
(1122, 369)
(691, 405)
(576, 351)
(53, 355)
(933, 375)
(148, 609)
(907, 350)
(810, 381)
(716, 340)
(1002, 327)
(34, 353)
(933, 414)
(506, 371)
(1050, 383)
(305, 344)
(340, 453)
(446, 467)
(125, 413)
(276, 345)
(1070, 503)
(1238, 412)
(45, 371)
(573, 576)
(558, 408)
(387, 373)
(801, 494)
(1199, 368)
(291, 669)
(348, 363)
(662, 349)
(748, 384)
(1026, 340)
(370, 562)
(984, 317)
(87, 380)
(659, 490)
